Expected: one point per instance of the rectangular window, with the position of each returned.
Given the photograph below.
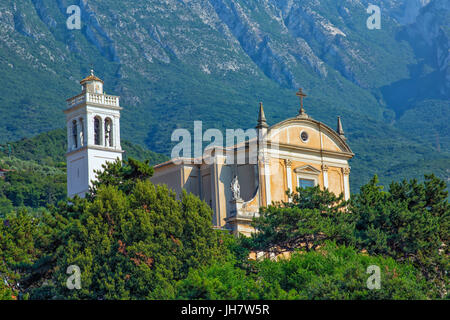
(305, 183)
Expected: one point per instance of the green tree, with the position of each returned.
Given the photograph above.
(6, 206)
(312, 217)
(131, 239)
(226, 282)
(408, 222)
(123, 175)
(340, 272)
(24, 240)
(5, 292)
(330, 272)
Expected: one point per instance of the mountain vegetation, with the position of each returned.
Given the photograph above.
(36, 170)
(173, 62)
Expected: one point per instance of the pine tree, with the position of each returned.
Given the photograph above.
(312, 217)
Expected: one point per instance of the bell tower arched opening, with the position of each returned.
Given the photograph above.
(74, 134)
(98, 131)
(108, 133)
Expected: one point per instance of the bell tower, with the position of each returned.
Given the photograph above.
(93, 134)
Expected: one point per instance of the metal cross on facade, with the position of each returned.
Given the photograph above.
(301, 95)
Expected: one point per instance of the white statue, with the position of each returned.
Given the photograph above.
(108, 135)
(236, 189)
(81, 138)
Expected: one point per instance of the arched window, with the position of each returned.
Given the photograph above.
(74, 134)
(108, 132)
(97, 131)
(81, 134)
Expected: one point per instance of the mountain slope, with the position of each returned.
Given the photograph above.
(173, 62)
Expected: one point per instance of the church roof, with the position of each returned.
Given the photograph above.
(302, 117)
(91, 77)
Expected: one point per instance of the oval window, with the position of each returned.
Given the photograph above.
(304, 136)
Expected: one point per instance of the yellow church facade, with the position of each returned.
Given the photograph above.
(297, 152)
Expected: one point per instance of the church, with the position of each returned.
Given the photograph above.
(297, 152)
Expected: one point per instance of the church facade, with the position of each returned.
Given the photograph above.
(297, 152)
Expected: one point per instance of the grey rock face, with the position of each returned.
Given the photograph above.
(431, 34)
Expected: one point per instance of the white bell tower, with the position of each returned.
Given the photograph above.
(93, 134)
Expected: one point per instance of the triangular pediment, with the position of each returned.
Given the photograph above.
(307, 169)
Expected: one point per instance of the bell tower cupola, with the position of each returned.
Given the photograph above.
(92, 84)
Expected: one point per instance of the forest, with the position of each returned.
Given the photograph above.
(131, 239)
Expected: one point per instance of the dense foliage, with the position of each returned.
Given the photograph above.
(312, 217)
(37, 170)
(409, 222)
(29, 184)
(331, 272)
(134, 240)
(134, 246)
